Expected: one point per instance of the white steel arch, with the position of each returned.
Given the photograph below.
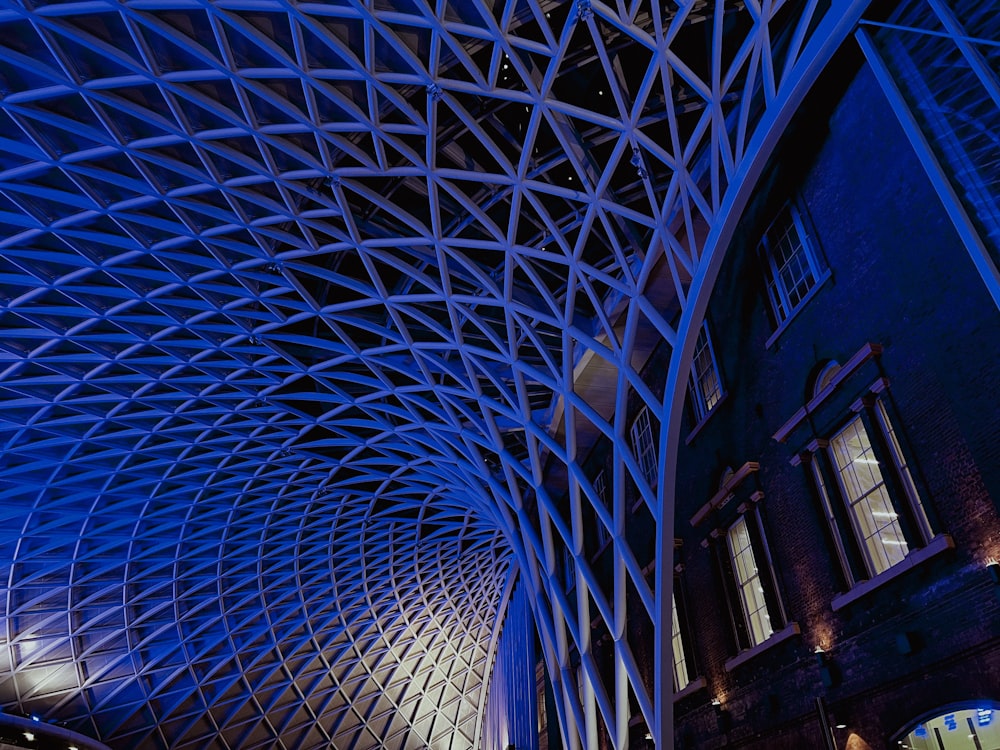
(313, 313)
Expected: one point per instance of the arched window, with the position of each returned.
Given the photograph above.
(727, 474)
(863, 475)
(825, 377)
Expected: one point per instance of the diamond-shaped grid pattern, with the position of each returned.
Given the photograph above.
(311, 311)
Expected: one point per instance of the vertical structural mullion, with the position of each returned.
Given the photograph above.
(939, 179)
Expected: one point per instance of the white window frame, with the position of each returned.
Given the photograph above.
(872, 508)
(706, 382)
(785, 277)
(748, 579)
(874, 517)
(644, 447)
(681, 676)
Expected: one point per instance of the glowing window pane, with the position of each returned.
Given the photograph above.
(875, 519)
(748, 582)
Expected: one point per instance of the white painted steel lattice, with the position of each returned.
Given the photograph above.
(311, 313)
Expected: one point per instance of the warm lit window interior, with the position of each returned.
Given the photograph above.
(872, 513)
(748, 582)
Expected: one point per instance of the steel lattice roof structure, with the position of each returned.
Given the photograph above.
(311, 311)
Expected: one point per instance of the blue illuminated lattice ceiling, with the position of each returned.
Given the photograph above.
(311, 312)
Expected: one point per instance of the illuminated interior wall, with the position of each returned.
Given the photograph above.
(511, 714)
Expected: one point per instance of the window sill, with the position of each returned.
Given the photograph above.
(798, 308)
(791, 629)
(697, 428)
(936, 546)
(690, 689)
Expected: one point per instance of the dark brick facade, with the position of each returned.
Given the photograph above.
(900, 278)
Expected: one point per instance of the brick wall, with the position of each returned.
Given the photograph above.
(899, 277)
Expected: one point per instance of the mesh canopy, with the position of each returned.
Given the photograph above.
(311, 314)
